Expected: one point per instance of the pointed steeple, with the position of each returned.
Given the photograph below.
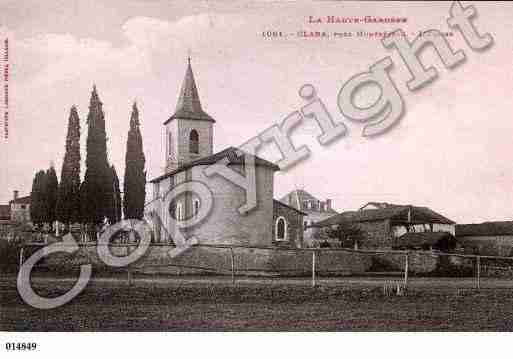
(189, 105)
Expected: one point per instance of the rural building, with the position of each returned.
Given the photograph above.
(189, 134)
(316, 210)
(381, 225)
(20, 208)
(5, 215)
(488, 238)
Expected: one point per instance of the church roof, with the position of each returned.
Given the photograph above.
(189, 105)
(230, 153)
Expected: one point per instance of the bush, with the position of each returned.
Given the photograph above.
(11, 241)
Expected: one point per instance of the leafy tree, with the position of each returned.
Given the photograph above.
(96, 187)
(134, 185)
(68, 198)
(52, 185)
(114, 212)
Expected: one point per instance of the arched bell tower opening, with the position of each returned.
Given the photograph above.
(189, 131)
(194, 142)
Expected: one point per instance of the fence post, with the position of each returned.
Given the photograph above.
(406, 264)
(129, 277)
(478, 279)
(232, 257)
(313, 268)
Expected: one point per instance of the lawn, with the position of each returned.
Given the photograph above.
(213, 304)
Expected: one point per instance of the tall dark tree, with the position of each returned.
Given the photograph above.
(96, 186)
(38, 211)
(68, 198)
(52, 186)
(134, 185)
(114, 210)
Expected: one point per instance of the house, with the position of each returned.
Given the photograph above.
(20, 208)
(382, 225)
(189, 135)
(488, 238)
(316, 210)
(5, 215)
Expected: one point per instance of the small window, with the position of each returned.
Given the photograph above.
(23, 206)
(305, 224)
(194, 142)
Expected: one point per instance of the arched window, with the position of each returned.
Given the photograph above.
(281, 229)
(194, 142)
(169, 144)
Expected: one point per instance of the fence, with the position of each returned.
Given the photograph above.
(236, 260)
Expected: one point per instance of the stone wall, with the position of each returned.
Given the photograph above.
(376, 234)
(487, 245)
(196, 260)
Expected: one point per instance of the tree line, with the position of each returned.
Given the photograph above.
(97, 198)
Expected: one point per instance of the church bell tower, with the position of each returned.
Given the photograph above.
(189, 131)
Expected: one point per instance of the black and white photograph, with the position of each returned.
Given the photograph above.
(302, 170)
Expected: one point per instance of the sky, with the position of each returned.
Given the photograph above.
(449, 152)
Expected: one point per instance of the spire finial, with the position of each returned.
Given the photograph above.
(188, 56)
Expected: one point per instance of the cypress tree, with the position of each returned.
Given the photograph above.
(38, 212)
(114, 213)
(68, 199)
(34, 200)
(51, 195)
(134, 186)
(96, 186)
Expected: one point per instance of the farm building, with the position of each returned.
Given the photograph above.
(17, 211)
(20, 208)
(316, 210)
(384, 225)
(488, 238)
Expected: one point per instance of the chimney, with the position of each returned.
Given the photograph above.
(328, 204)
(15, 195)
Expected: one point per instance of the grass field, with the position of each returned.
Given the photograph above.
(212, 303)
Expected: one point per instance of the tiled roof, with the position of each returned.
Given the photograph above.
(280, 203)
(5, 211)
(417, 239)
(22, 200)
(301, 195)
(230, 153)
(398, 213)
(485, 229)
(189, 105)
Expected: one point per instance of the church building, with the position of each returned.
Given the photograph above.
(189, 134)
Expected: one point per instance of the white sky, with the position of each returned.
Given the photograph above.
(450, 151)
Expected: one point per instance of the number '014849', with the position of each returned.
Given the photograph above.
(11, 346)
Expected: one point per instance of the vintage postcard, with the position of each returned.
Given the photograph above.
(255, 166)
